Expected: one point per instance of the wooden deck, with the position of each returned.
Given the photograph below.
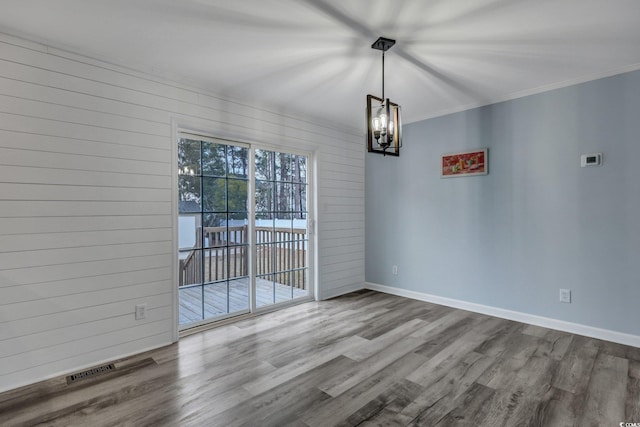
(216, 296)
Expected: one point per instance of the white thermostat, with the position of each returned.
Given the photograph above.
(594, 159)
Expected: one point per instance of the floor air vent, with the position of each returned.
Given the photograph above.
(89, 373)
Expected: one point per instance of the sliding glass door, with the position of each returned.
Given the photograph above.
(228, 265)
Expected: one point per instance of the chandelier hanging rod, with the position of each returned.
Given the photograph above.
(383, 44)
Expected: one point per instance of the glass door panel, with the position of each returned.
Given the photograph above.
(213, 255)
(280, 226)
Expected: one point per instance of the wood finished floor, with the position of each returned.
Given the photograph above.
(362, 359)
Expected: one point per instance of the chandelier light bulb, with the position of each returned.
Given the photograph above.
(383, 123)
(376, 124)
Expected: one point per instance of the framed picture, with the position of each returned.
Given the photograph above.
(465, 163)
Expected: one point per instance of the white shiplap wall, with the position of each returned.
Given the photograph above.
(86, 204)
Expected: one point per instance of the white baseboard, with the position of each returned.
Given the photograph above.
(332, 293)
(545, 322)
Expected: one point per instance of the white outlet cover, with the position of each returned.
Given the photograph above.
(565, 295)
(141, 311)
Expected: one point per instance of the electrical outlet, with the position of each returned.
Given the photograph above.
(394, 270)
(565, 295)
(141, 311)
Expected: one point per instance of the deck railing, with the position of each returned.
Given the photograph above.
(281, 255)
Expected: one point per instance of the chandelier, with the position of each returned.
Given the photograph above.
(384, 123)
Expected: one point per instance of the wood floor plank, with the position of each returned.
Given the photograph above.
(467, 409)
(384, 409)
(384, 418)
(632, 404)
(297, 395)
(632, 407)
(555, 344)
(343, 406)
(437, 325)
(286, 373)
(385, 340)
(501, 340)
(607, 391)
(515, 356)
(383, 324)
(448, 356)
(366, 359)
(620, 350)
(634, 369)
(297, 342)
(339, 384)
(449, 385)
(509, 408)
(444, 338)
(517, 401)
(557, 408)
(577, 364)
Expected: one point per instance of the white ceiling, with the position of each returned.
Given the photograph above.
(315, 56)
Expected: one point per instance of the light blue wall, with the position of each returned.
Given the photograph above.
(538, 222)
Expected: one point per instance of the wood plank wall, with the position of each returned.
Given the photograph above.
(86, 204)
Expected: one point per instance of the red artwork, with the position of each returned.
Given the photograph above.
(464, 163)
